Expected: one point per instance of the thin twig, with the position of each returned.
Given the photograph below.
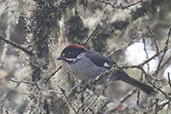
(161, 59)
(150, 107)
(123, 47)
(156, 106)
(157, 54)
(103, 106)
(169, 81)
(145, 50)
(16, 45)
(85, 102)
(156, 45)
(148, 76)
(150, 31)
(30, 83)
(167, 62)
(164, 104)
(129, 5)
(47, 79)
(92, 103)
(164, 93)
(94, 31)
(68, 101)
(146, 61)
(120, 6)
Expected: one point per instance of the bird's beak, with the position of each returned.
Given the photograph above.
(60, 58)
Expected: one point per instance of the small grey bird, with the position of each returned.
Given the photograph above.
(86, 65)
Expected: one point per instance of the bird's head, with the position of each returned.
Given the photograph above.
(71, 52)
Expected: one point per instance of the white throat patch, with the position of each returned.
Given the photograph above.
(73, 59)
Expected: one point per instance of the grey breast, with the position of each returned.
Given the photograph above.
(84, 69)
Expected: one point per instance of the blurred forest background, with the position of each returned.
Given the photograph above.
(134, 33)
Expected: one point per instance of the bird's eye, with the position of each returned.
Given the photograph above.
(63, 54)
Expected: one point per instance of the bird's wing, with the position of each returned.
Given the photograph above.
(99, 59)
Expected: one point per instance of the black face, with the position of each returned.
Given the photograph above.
(71, 52)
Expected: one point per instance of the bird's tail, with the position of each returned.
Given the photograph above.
(145, 88)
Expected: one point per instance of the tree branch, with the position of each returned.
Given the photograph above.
(16, 45)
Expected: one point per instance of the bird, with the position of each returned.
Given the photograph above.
(88, 65)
